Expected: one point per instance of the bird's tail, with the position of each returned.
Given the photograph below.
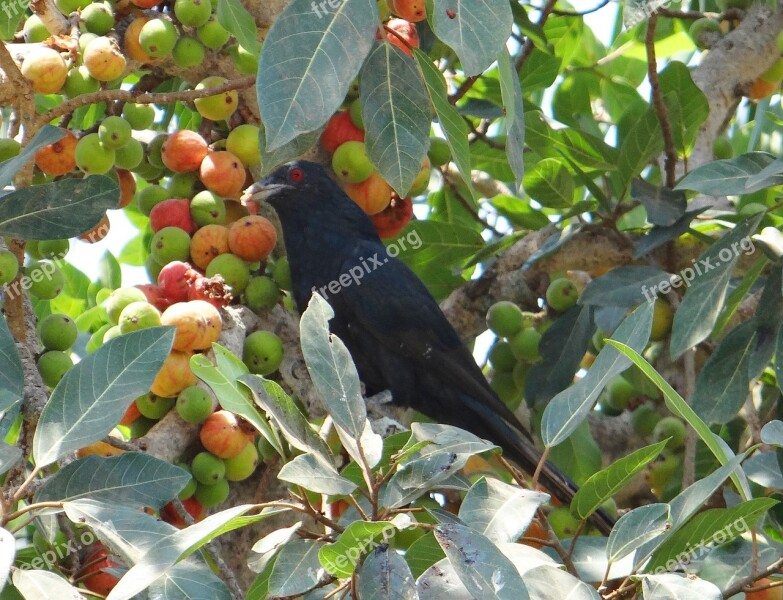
(518, 445)
(553, 480)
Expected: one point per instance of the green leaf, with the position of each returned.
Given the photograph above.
(723, 383)
(477, 30)
(703, 300)
(775, 168)
(772, 433)
(447, 207)
(677, 405)
(223, 379)
(571, 406)
(624, 286)
(235, 18)
(452, 124)
(606, 483)
(316, 474)
(12, 373)
(550, 184)
(386, 576)
(635, 528)
(340, 557)
(731, 176)
(519, 212)
(130, 479)
(9, 22)
(9, 456)
(712, 527)
(94, 394)
(11, 167)
(134, 253)
(664, 207)
(500, 511)
(658, 236)
(737, 295)
(296, 568)
(511, 92)
(423, 553)
(686, 104)
(271, 159)
(687, 503)
(279, 405)
(58, 210)
(397, 115)
(562, 347)
(583, 149)
(43, 585)
(579, 456)
(109, 271)
(130, 533)
(432, 464)
(168, 550)
(493, 161)
(643, 142)
(552, 583)
(479, 564)
(438, 243)
(539, 71)
(310, 58)
(682, 587)
(331, 368)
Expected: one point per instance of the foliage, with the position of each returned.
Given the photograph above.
(557, 167)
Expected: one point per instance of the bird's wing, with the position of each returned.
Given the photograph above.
(391, 304)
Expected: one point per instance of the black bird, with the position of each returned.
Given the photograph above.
(394, 329)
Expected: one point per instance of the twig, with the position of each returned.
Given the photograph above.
(29, 507)
(143, 97)
(463, 89)
(556, 545)
(752, 416)
(540, 465)
(55, 22)
(684, 14)
(575, 13)
(660, 107)
(8, 66)
(466, 205)
(527, 49)
(480, 135)
(740, 585)
(20, 490)
(214, 549)
(689, 453)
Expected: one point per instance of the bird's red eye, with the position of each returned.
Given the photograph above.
(296, 175)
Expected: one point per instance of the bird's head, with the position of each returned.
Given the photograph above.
(302, 190)
(294, 181)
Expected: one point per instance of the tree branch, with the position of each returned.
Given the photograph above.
(144, 97)
(746, 581)
(658, 103)
(738, 58)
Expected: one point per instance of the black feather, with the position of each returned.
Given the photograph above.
(393, 327)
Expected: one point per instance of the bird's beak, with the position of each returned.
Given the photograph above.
(259, 192)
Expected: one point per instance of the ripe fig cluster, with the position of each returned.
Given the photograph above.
(344, 139)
